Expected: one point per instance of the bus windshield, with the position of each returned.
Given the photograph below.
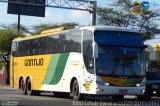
(117, 38)
(120, 53)
(120, 61)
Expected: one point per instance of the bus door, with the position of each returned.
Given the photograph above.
(87, 51)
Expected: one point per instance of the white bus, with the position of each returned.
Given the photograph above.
(91, 60)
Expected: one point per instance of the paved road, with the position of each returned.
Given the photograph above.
(13, 97)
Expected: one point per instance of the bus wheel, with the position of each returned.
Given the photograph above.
(23, 87)
(29, 87)
(118, 97)
(75, 91)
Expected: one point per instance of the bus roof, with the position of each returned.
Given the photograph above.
(50, 32)
(61, 31)
(110, 28)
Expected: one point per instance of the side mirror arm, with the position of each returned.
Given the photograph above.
(95, 50)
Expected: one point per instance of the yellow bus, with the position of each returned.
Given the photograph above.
(91, 60)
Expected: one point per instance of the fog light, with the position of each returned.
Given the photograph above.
(154, 92)
(143, 91)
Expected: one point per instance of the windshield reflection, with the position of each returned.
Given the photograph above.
(120, 61)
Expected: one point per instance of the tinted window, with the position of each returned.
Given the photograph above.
(75, 41)
(87, 50)
(67, 42)
(118, 38)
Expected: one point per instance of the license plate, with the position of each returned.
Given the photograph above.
(123, 91)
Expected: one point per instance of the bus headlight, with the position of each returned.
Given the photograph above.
(140, 84)
(137, 84)
(100, 82)
(107, 84)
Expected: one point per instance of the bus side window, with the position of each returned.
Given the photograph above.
(20, 47)
(43, 49)
(61, 43)
(75, 41)
(35, 46)
(67, 44)
(50, 44)
(14, 49)
(30, 50)
(87, 50)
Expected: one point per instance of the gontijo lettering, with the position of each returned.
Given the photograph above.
(33, 62)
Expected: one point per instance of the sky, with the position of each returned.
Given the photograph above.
(54, 15)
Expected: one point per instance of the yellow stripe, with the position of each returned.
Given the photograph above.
(43, 33)
(116, 81)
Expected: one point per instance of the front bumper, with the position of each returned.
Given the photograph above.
(114, 90)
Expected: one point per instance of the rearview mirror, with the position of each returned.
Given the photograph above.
(95, 50)
(152, 52)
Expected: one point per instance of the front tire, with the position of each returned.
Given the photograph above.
(75, 91)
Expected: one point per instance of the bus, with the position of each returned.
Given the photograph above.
(90, 60)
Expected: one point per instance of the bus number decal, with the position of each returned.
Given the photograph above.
(87, 85)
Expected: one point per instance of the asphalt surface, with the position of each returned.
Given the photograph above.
(13, 97)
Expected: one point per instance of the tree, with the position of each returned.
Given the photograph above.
(7, 34)
(120, 15)
(41, 27)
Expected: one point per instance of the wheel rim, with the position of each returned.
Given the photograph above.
(75, 90)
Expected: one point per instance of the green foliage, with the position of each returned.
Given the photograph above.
(41, 27)
(7, 34)
(120, 15)
(1, 63)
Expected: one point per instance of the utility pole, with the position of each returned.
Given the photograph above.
(19, 19)
(93, 12)
(19, 22)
